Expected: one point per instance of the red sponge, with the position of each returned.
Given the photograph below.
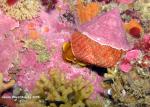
(135, 32)
(11, 2)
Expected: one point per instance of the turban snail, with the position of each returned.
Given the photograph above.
(100, 41)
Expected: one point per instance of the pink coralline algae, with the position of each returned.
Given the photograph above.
(6, 23)
(31, 69)
(58, 33)
(107, 29)
(140, 53)
(125, 66)
(28, 59)
(8, 53)
(131, 56)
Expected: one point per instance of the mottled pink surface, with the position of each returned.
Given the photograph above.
(6, 23)
(58, 33)
(107, 29)
(30, 69)
(125, 66)
(139, 53)
(133, 55)
(8, 52)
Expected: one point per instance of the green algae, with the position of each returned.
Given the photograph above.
(40, 48)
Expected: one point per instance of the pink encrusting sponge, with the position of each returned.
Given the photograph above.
(107, 29)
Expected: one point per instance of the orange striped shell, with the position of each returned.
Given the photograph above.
(91, 52)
